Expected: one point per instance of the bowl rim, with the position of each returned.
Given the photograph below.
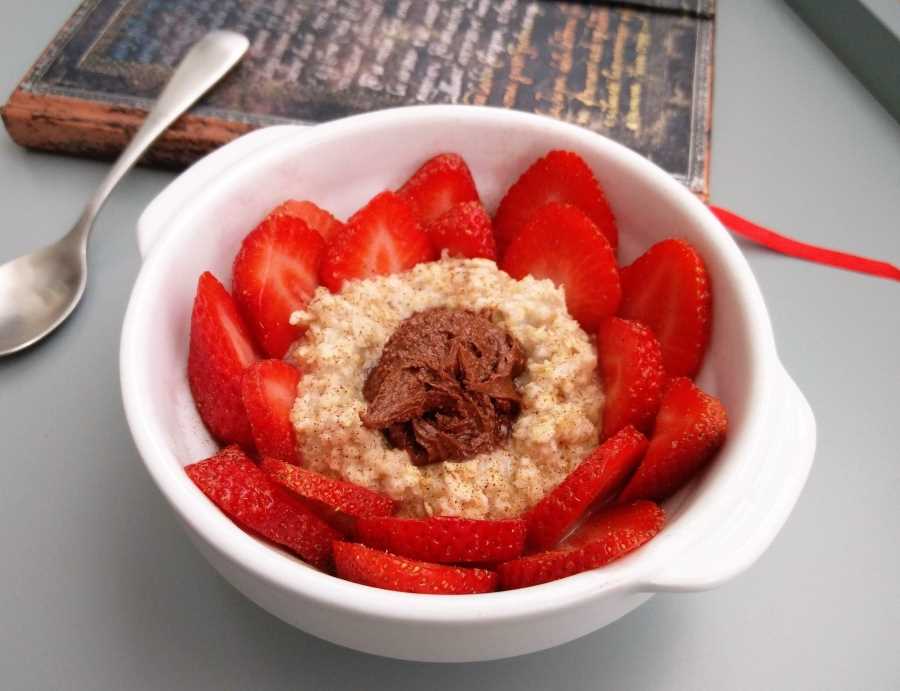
(632, 573)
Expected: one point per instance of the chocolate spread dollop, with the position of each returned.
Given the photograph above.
(444, 388)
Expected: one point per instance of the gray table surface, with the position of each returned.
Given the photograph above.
(100, 588)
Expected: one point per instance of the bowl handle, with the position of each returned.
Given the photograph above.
(742, 537)
(166, 204)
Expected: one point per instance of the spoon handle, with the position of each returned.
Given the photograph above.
(205, 63)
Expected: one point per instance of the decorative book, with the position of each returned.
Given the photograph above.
(639, 72)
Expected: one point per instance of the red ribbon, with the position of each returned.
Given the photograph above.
(801, 250)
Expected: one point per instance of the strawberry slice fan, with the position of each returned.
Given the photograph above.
(801, 250)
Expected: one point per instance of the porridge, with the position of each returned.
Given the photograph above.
(559, 396)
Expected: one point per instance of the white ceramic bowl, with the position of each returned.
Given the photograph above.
(717, 527)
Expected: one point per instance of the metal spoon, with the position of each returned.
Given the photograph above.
(39, 290)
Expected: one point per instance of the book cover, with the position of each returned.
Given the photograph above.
(639, 72)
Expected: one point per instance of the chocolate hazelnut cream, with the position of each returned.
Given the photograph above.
(444, 388)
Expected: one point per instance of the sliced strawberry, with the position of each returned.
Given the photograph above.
(275, 273)
(562, 244)
(337, 496)
(438, 185)
(445, 540)
(608, 535)
(560, 176)
(314, 216)
(220, 350)
(631, 369)
(596, 478)
(667, 288)
(383, 237)
(464, 231)
(268, 390)
(247, 496)
(689, 429)
(379, 569)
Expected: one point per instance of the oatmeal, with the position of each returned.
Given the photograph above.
(560, 402)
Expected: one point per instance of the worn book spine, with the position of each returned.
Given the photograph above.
(79, 127)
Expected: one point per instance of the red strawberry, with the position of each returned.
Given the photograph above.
(337, 496)
(247, 496)
(689, 429)
(268, 390)
(631, 369)
(315, 217)
(275, 273)
(603, 538)
(382, 570)
(667, 288)
(560, 176)
(445, 540)
(464, 230)
(220, 350)
(439, 184)
(562, 244)
(381, 238)
(597, 477)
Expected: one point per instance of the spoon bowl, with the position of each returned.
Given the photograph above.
(38, 291)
